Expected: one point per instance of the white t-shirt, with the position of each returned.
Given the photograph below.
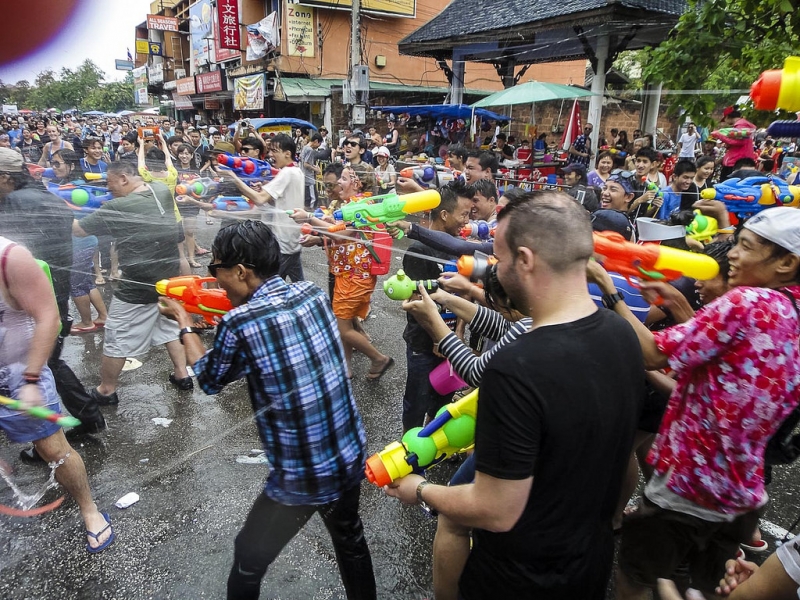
(688, 143)
(789, 555)
(288, 191)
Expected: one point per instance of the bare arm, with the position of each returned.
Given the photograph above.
(167, 157)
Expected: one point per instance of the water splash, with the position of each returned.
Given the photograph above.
(28, 501)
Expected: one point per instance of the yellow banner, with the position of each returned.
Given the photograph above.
(142, 47)
(398, 8)
(300, 30)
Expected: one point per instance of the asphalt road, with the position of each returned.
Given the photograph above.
(177, 541)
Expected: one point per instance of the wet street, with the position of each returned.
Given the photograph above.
(177, 541)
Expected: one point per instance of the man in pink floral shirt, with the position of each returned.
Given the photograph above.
(737, 365)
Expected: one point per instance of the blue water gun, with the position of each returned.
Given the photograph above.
(751, 195)
(80, 196)
(248, 169)
(232, 203)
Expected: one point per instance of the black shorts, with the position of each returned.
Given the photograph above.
(653, 408)
(656, 541)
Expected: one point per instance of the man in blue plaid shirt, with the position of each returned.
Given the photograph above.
(283, 338)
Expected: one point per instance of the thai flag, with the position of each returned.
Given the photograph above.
(573, 128)
(130, 57)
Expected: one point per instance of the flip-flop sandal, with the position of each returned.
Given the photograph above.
(195, 265)
(107, 543)
(201, 251)
(376, 375)
(100, 324)
(75, 330)
(759, 547)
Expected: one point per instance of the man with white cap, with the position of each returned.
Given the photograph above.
(737, 369)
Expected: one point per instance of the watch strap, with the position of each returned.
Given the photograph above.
(610, 300)
(184, 331)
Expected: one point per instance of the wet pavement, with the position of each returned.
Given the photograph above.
(177, 541)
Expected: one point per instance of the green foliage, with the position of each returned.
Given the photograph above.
(83, 88)
(722, 45)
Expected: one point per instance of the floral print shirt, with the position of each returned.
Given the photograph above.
(738, 371)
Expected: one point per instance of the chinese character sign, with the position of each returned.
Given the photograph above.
(300, 30)
(248, 92)
(228, 18)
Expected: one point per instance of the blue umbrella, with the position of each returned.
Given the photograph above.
(259, 123)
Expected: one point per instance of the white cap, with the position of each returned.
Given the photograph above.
(213, 130)
(779, 225)
(382, 151)
(651, 230)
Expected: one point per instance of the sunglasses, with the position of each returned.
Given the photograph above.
(212, 268)
(352, 144)
(623, 174)
(247, 149)
(330, 186)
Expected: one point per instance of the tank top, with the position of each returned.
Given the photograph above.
(16, 326)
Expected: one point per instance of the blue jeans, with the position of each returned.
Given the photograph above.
(291, 267)
(420, 398)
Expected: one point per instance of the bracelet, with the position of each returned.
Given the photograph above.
(727, 230)
(33, 378)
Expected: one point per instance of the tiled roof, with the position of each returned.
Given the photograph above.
(466, 17)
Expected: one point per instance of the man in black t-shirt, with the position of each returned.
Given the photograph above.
(557, 412)
(420, 398)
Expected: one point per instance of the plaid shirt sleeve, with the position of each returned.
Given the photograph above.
(222, 364)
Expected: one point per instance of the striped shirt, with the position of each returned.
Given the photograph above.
(285, 341)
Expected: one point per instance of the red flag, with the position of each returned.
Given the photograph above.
(573, 128)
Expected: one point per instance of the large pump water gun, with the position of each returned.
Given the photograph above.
(784, 129)
(479, 230)
(476, 266)
(778, 88)
(191, 291)
(651, 262)
(702, 228)
(248, 169)
(375, 211)
(199, 188)
(735, 133)
(232, 203)
(451, 432)
(748, 196)
(401, 287)
(429, 176)
(81, 197)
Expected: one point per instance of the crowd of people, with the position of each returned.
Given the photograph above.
(586, 382)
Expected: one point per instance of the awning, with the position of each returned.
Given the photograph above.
(299, 89)
(438, 111)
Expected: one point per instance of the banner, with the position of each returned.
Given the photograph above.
(200, 30)
(219, 53)
(209, 82)
(185, 86)
(263, 37)
(162, 23)
(395, 8)
(182, 102)
(573, 128)
(140, 85)
(300, 30)
(248, 92)
(142, 47)
(155, 48)
(228, 19)
(123, 65)
(156, 73)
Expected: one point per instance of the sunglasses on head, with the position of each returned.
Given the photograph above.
(213, 267)
(623, 174)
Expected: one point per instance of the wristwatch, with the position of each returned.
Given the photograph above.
(610, 300)
(184, 331)
(422, 502)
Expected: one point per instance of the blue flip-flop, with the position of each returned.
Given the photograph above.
(107, 543)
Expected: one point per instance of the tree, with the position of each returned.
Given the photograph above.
(722, 45)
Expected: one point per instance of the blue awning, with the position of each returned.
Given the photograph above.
(259, 123)
(442, 111)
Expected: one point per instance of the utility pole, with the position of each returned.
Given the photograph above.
(358, 116)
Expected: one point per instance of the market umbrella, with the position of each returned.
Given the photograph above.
(530, 92)
(94, 113)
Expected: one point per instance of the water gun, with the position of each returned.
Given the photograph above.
(374, 212)
(480, 230)
(611, 150)
(81, 197)
(210, 303)
(451, 432)
(199, 188)
(748, 196)
(735, 133)
(476, 266)
(702, 228)
(778, 88)
(652, 185)
(429, 176)
(246, 169)
(784, 129)
(232, 203)
(40, 412)
(402, 287)
(651, 262)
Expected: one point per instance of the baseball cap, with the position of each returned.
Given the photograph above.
(606, 219)
(779, 225)
(575, 168)
(10, 161)
(213, 130)
(653, 230)
(382, 151)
